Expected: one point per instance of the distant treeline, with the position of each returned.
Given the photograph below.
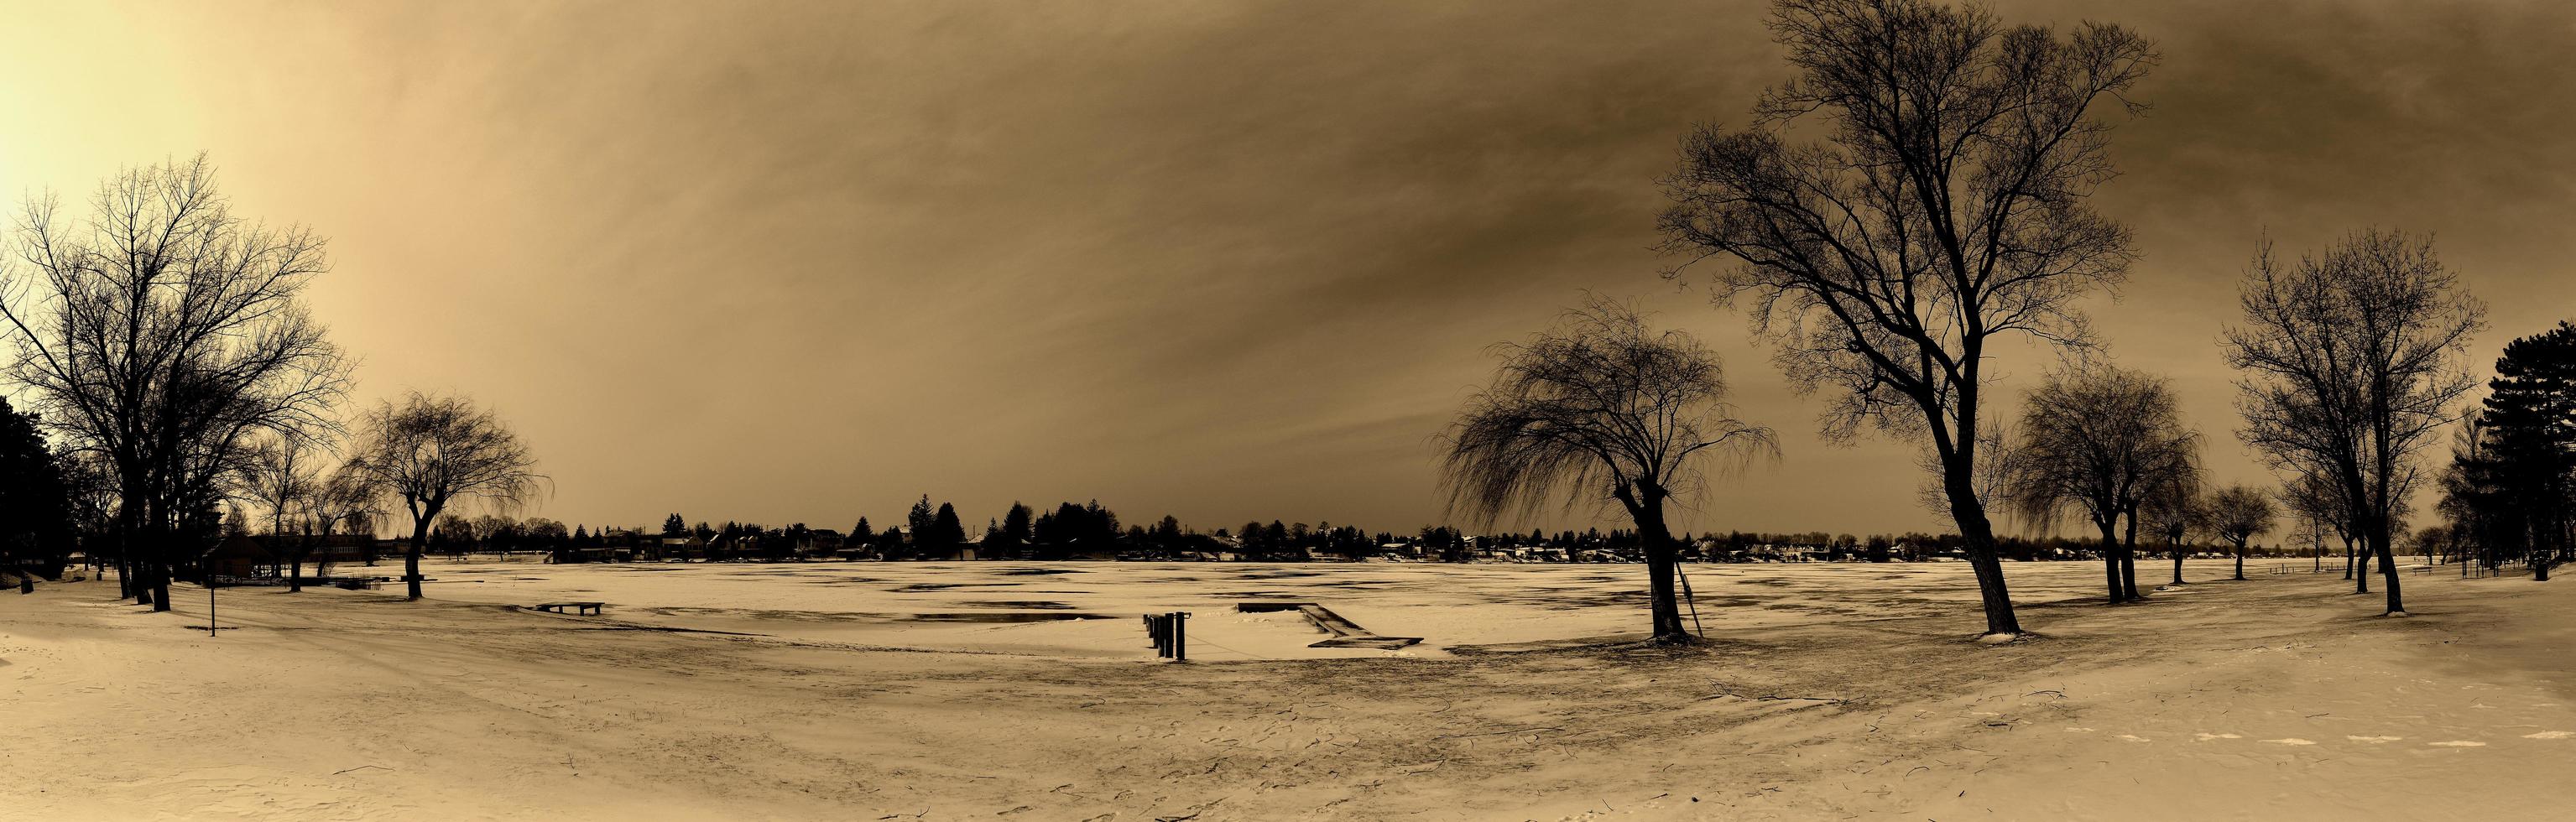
(1091, 531)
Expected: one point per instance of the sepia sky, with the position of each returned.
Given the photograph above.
(803, 262)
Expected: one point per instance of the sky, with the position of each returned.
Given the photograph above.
(806, 262)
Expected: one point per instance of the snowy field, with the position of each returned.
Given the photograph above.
(1090, 609)
(961, 691)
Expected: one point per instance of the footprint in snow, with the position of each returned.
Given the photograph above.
(2457, 743)
(2290, 741)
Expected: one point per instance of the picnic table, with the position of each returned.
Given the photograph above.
(581, 608)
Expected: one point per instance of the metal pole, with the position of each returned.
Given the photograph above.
(210, 605)
(1180, 636)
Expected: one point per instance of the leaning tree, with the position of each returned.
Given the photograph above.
(2096, 440)
(429, 452)
(162, 333)
(2238, 514)
(1945, 210)
(2352, 360)
(1599, 408)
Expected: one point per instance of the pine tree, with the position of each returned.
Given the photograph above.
(1016, 524)
(917, 526)
(35, 510)
(2530, 449)
(946, 531)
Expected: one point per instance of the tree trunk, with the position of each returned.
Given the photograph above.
(1983, 558)
(1646, 507)
(411, 556)
(159, 560)
(2178, 552)
(2240, 561)
(2129, 559)
(2111, 561)
(2388, 568)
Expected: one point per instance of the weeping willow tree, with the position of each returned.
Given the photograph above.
(1600, 408)
(432, 451)
(2098, 442)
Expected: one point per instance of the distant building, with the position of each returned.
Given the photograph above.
(240, 557)
(268, 555)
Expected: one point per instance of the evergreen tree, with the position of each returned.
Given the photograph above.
(920, 522)
(2530, 449)
(674, 526)
(947, 531)
(35, 512)
(1016, 524)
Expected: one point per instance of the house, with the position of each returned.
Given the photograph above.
(338, 549)
(681, 548)
(821, 542)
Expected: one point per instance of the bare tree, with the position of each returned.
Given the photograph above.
(345, 501)
(2174, 509)
(2352, 360)
(2473, 499)
(280, 475)
(429, 452)
(2322, 509)
(1947, 208)
(1600, 408)
(2238, 514)
(161, 333)
(2095, 441)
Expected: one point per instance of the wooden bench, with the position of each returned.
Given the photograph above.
(580, 608)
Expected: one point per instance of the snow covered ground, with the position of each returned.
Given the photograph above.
(960, 690)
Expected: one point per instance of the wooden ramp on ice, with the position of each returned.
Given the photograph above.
(1346, 634)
